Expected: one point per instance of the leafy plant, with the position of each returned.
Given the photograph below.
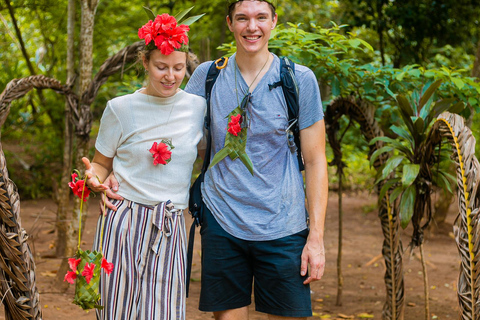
(413, 169)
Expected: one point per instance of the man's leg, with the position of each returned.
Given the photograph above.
(226, 271)
(272, 317)
(232, 314)
(279, 289)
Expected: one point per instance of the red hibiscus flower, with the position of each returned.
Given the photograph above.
(88, 272)
(78, 187)
(160, 153)
(165, 33)
(73, 263)
(107, 266)
(234, 125)
(70, 277)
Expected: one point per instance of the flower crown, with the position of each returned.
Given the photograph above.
(163, 32)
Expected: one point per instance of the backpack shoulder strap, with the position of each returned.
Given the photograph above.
(290, 89)
(212, 76)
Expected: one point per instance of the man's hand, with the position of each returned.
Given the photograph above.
(112, 187)
(314, 255)
(92, 180)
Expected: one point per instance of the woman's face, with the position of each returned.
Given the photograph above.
(166, 73)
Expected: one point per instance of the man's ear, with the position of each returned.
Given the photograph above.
(229, 23)
(275, 19)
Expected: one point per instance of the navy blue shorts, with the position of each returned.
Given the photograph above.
(230, 266)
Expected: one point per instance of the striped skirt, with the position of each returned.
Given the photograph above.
(147, 247)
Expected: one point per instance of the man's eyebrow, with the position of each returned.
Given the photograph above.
(244, 15)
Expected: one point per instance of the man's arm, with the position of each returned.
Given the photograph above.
(312, 141)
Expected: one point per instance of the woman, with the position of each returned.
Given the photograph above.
(149, 139)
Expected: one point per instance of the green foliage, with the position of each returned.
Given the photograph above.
(412, 31)
(410, 171)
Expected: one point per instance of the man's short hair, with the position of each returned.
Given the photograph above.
(233, 3)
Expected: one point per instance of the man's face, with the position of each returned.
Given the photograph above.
(251, 24)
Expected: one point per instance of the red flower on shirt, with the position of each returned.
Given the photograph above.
(78, 187)
(160, 153)
(234, 125)
(88, 272)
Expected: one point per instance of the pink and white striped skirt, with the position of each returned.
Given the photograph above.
(147, 246)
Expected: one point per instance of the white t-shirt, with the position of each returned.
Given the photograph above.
(131, 124)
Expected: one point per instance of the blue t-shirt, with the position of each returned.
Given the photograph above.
(271, 203)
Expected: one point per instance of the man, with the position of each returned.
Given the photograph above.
(256, 225)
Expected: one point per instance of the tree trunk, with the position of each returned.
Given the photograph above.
(89, 8)
(476, 65)
(425, 283)
(64, 191)
(340, 236)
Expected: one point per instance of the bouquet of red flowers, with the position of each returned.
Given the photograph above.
(86, 267)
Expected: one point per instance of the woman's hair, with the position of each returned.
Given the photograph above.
(232, 5)
(192, 60)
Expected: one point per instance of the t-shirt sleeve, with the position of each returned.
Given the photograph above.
(109, 134)
(196, 84)
(311, 109)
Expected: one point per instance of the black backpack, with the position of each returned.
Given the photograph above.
(289, 86)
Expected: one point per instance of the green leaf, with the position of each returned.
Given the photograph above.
(429, 93)
(445, 180)
(220, 155)
(390, 166)
(406, 111)
(457, 107)
(402, 133)
(179, 16)
(406, 205)
(394, 143)
(419, 126)
(150, 13)
(247, 162)
(366, 44)
(354, 42)
(395, 194)
(410, 173)
(379, 152)
(458, 82)
(335, 87)
(191, 20)
(442, 106)
(386, 186)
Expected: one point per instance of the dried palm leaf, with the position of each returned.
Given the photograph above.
(363, 113)
(467, 224)
(17, 268)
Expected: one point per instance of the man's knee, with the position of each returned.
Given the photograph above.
(232, 314)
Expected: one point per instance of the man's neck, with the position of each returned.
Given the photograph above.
(251, 63)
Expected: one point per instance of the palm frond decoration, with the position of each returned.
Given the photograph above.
(363, 113)
(17, 268)
(467, 224)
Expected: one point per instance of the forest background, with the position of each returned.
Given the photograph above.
(375, 49)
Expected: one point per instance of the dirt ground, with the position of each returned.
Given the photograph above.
(363, 269)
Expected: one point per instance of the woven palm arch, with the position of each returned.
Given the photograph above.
(18, 290)
(449, 127)
(467, 224)
(363, 113)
